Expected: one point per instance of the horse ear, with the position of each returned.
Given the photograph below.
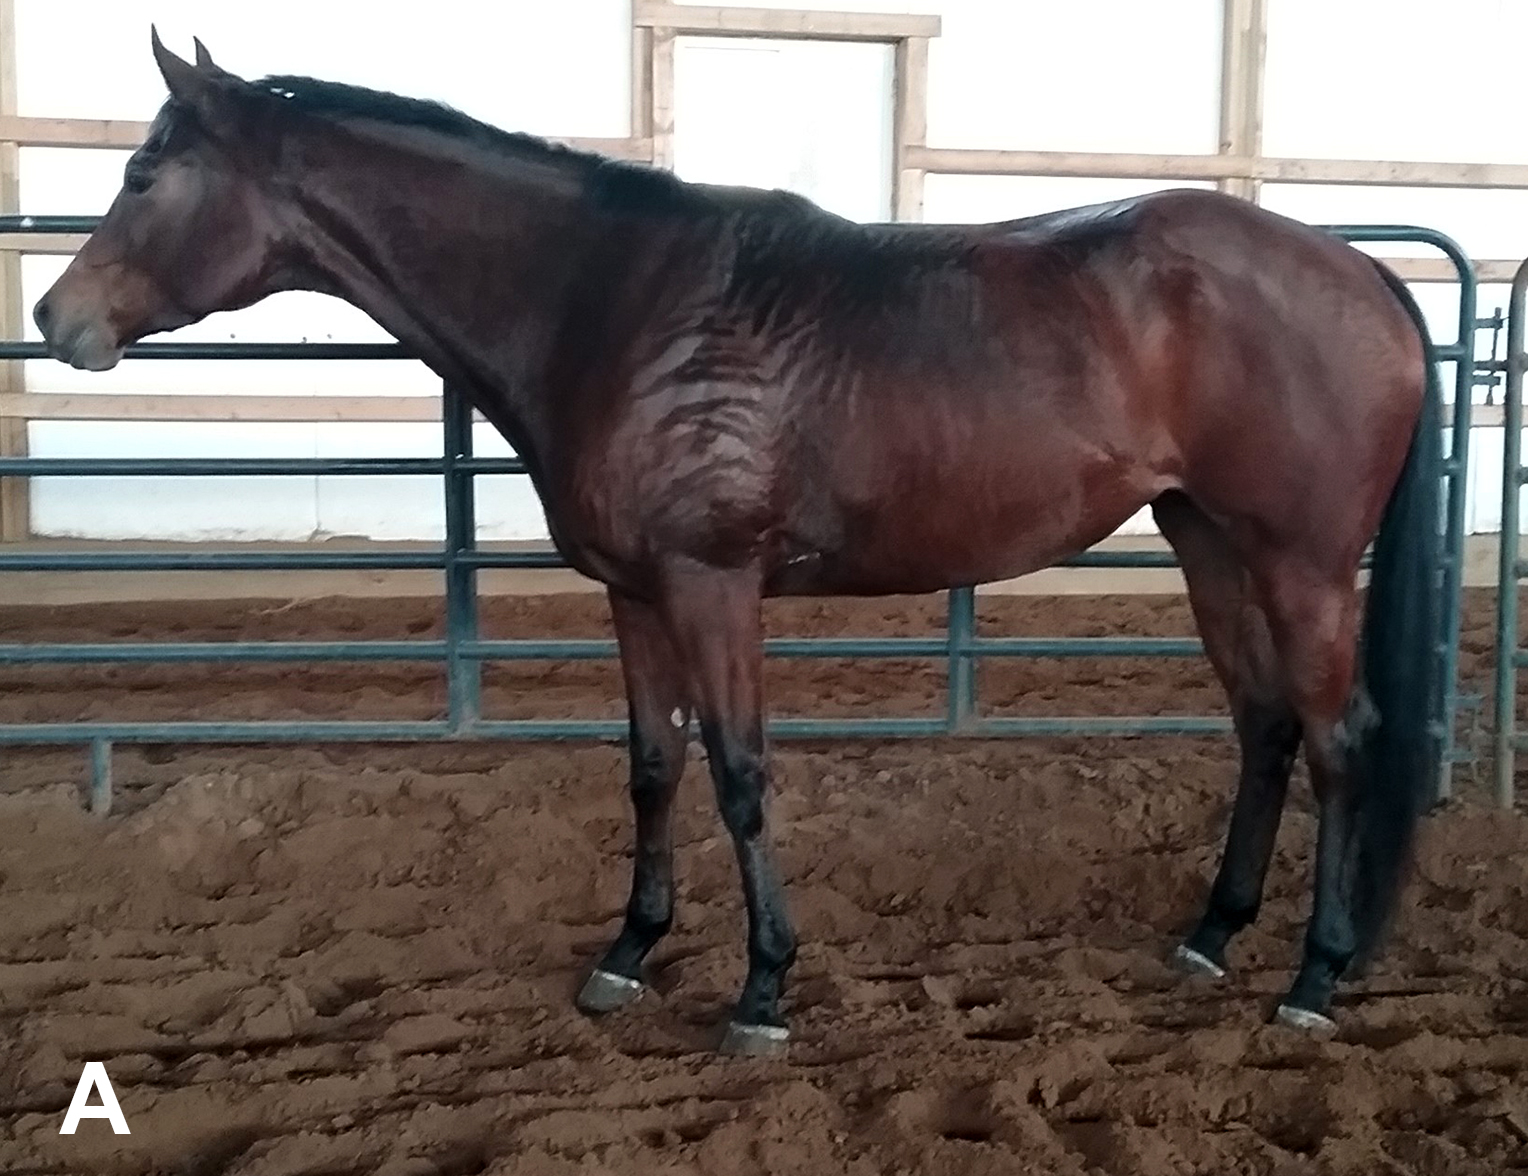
(208, 66)
(186, 83)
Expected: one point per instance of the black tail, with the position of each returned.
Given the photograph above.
(1401, 757)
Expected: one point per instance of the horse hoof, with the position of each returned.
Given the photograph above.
(1186, 959)
(755, 1041)
(1305, 1020)
(604, 992)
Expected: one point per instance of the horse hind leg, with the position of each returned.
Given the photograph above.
(1240, 648)
(1314, 619)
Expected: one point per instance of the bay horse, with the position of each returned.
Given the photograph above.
(723, 394)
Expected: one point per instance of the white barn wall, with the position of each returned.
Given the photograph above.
(1408, 79)
(548, 69)
(1029, 74)
(1395, 79)
(812, 117)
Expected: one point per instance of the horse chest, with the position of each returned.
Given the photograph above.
(642, 495)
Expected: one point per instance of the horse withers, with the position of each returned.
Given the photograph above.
(723, 394)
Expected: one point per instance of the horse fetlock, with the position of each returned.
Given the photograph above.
(1228, 916)
(649, 921)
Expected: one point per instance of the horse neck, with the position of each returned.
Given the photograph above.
(467, 259)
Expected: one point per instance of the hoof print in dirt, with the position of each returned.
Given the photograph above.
(605, 992)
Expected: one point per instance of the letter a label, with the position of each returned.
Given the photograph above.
(94, 1078)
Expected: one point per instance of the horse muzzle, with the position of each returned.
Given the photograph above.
(83, 343)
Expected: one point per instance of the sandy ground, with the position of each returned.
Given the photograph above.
(361, 960)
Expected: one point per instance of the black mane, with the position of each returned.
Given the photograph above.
(337, 100)
(608, 182)
(612, 181)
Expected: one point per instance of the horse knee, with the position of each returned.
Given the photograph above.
(656, 766)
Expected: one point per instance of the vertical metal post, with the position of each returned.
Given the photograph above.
(961, 683)
(1505, 734)
(1455, 470)
(463, 674)
(100, 777)
(1458, 466)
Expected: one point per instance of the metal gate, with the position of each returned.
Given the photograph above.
(462, 651)
(1510, 656)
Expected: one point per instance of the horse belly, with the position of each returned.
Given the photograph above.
(970, 523)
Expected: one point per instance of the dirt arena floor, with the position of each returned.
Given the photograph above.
(361, 960)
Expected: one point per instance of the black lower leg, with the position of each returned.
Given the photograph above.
(741, 780)
(1329, 939)
(657, 761)
(1270, 735)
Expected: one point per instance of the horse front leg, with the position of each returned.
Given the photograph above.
(659, 709)
(715, 622)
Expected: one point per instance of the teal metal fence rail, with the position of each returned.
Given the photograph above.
(462, 651)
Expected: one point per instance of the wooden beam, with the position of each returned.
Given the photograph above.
(660, 74)
(638, 149)
(1391, 173)
(65, 243)
(1243, 50)
(15, 500)
(909, 126)
(66, 406)
(1109, 165)
(128, 136)
(1438, 269)
(1095, 164)
(71, 132)
(782, 24)
(642, 85)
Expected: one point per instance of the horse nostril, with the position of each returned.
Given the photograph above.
(42, 315)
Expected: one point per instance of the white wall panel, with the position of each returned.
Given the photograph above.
(561, 69)
(1487, 222)
(173, 508)
(1089, 75)
(811, 117)
(1395, 79)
